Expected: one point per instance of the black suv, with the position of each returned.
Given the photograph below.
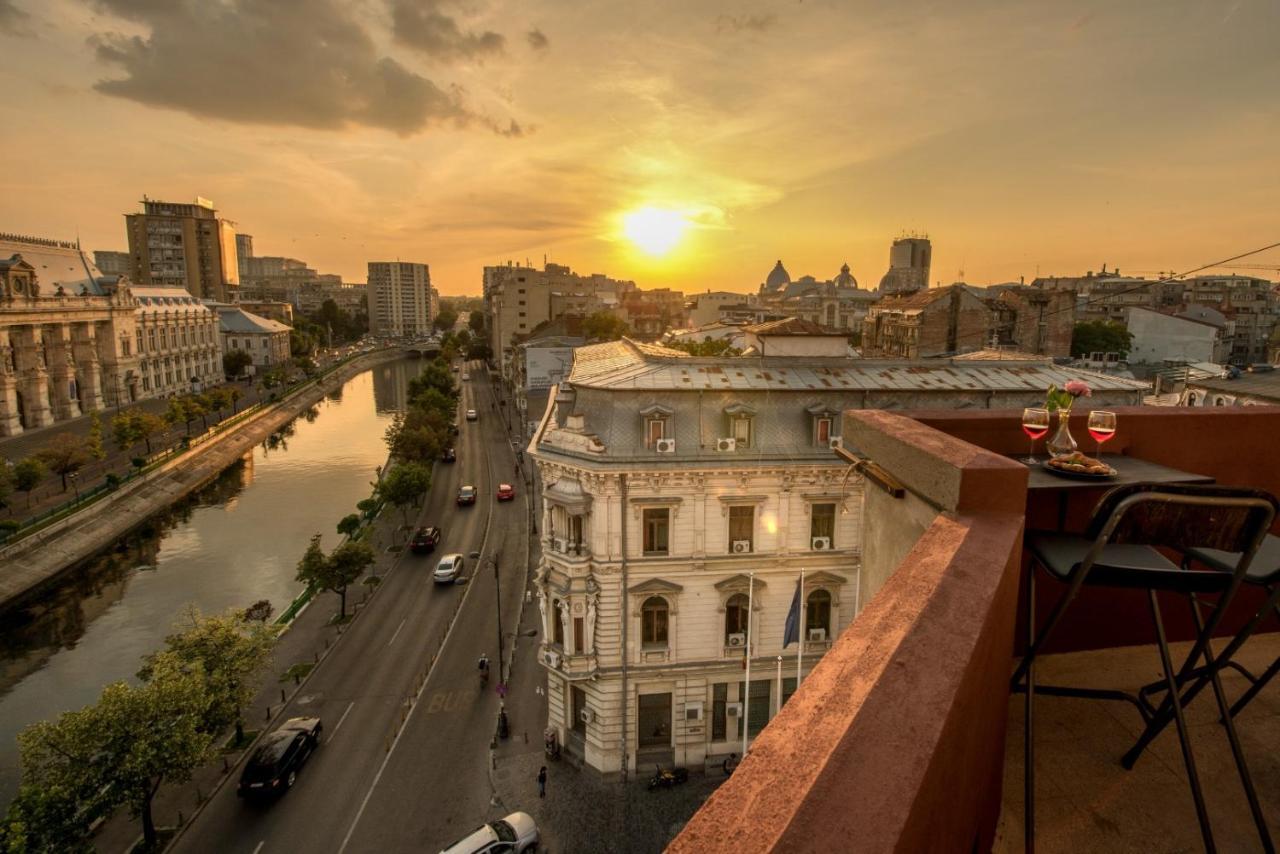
(425, 540)
(449, 456)
(273, 768)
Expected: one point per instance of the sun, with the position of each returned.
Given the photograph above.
(653, 230)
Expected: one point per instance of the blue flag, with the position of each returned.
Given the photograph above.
(792, 632)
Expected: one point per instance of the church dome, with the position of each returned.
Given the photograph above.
(845, 279)
(778, 277)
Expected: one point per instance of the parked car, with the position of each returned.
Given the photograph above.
(466, 495)
(425, 540)
(449, 456)
(449, 568)
(472, 415)
(516, 833)
(273, 768)
(506, 492)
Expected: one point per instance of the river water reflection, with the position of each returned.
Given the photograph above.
(234, 542)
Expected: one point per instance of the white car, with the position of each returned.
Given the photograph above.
(472, 415)
(449, 568)
(516, 833)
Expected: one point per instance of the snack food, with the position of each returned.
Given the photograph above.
(1078, 463)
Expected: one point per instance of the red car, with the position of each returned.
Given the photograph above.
(506, 492)
(467, 495)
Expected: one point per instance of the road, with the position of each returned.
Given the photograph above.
(376, 784)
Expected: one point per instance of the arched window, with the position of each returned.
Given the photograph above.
(735, 617)
(653, 614)
(818, 612)
(557, 623)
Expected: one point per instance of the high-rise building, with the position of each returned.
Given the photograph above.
(111, 263)
(909, 261)
(400, 298)
(244, 251)
(185, 245)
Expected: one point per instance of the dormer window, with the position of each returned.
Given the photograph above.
(656, 423)
(740, 422)
(824, 424)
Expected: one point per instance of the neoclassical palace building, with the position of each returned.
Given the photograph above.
(67, 335)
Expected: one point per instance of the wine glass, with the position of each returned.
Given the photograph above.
(1102, 426)
(1035, 423)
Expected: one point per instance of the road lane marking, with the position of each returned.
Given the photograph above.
(259, 848)
(334, 734)
(445, 701)
(397, 634)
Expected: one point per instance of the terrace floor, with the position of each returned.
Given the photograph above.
(1086, 801)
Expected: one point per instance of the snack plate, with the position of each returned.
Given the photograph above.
(1078, 475)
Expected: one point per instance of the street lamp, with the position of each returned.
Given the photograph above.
(497, 587)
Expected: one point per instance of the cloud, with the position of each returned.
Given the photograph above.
(749, 23)
(11, 17)
(422, 25)
(537, 39)
(307, 63)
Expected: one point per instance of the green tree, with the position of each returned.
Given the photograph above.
(235, 361)
(476, 322)
(604, 326)
(300, 342)
(124, 429)
(6, 482)
(118, 751)
(349, 524)
(50, 820)
(707, 347)
(404, 485)
(336, 572)
(367, 506)
(348, 562)
(27, 475)
(197, 407)
(147, 425)
(446, 319)
(234, 394)
(1100, 336)
(64, 454)
(93, 444)
(229, 650)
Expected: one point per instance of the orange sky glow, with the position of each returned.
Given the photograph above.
(1024, 137)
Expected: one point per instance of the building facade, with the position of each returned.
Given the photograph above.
(67, 335)
(267, 341)
(400, 298)
(112, 263)
(1160, 338)
(704, 309)
(927, 323)
(184, 245)
(1250, 303)
(910, 259)
(244, 252)
(177, 341)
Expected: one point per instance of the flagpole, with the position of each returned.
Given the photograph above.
(800, 634)
(746, 701)
(779, 682)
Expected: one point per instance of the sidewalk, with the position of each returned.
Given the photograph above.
(305, 641)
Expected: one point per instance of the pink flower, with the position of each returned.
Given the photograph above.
(1078, 388)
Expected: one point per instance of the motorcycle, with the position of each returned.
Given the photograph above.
(665, 778)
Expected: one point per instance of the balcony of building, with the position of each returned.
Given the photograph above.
(906, 736)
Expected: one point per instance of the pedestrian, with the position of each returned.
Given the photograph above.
(542, 782)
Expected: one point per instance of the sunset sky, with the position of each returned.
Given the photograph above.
(1023, 137)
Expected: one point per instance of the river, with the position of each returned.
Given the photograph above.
(232, 543)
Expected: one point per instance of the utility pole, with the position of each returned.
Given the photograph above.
(497, 587)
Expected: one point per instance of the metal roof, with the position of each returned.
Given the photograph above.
(631, 365)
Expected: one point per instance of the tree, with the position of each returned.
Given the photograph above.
(349, 524)
(404, 485)
(64, 454)
(234, 362)
(336, 572)
(147, 424)
(93, 444)
(234, 394)
(478, 349)
(604, 326)
(197, 408)
(1100, 336)
(27, 475)
(118, 751)
(367, 506)
(48, 820)
(124, 430)
(446, 319)
(301, 343)
(229, 649)
(476, 322)
(707, 347)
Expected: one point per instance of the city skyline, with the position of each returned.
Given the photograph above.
(681, 147)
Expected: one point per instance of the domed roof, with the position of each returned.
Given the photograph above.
(845, 279)
(778, 277)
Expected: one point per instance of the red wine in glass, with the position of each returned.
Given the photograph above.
(1036, 432)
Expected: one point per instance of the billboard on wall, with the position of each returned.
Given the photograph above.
(546, 366)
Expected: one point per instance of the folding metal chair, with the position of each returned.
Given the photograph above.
(1119, 549)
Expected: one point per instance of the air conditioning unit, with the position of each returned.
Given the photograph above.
(835, 442)
(817, 635)
(586, 716)
(693, 711)
(665, 446)
(733, 710)
(820, 544)
(741, 547)
(726, 444)
(557, 544)
(738, 639)
(551, 659)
